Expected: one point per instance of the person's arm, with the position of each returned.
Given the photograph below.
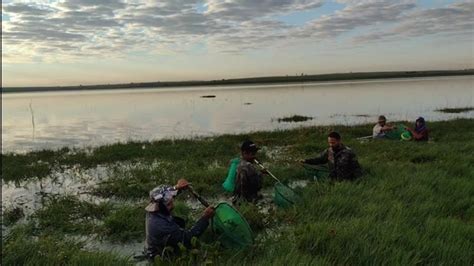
(386, 128)
(184, 236)
(321, 159)
(423, 135)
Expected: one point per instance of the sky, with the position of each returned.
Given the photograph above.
(81, 42)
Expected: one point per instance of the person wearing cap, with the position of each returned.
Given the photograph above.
(163, 229)
(341, 160)
(420, 132)
(381, 128)
(248, 181)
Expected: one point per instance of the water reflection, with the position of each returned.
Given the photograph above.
(99, 117)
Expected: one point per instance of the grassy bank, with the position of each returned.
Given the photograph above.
(456, 110)
(253, 80)
(414, 204)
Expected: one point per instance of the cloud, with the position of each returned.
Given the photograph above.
(454, 19)
(356, 14)
(26, 10)
(86, 4)
(242, 10)
(78, 29)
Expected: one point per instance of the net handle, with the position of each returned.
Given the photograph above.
(263, 167)
(198, 197)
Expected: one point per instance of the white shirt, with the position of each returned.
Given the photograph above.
(377, 130)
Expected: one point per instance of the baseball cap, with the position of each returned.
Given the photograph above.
(248, 145)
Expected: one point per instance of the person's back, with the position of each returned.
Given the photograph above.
(248, 181)
(377, 131)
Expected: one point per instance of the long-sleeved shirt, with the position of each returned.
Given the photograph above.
(342, 163)
(422, 135)
(248, 182)
(163, 230)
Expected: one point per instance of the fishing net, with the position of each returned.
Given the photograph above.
(232, 228)
(316, 171)
(284, 196)
(229, 183)
(396, 133)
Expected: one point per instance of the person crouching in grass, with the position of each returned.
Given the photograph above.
(341, 160)
(381, 128)
(249, 179)
(420, 132)
(165, 230)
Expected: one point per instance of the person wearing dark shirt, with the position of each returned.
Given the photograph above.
(249, 179)
(163, 229)
(420, 132)
(341, 160)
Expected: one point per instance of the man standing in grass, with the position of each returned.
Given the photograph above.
(163, 229)
(381, 128)
(341, 160)
(249, 179)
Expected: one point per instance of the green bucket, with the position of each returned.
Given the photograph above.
(406, 135)
(284, 196)
(233, 230)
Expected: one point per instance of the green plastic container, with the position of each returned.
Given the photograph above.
(229, 183)
(284, 196)
(406, 135)
(232, 229)
(396, 134)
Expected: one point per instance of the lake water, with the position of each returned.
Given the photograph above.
(52, 120)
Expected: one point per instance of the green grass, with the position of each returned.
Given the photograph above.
(69, 215)
(21, 247)
(456, 110)
(414, 205)
(294, 119)
(12, 215)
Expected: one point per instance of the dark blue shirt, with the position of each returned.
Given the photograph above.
(163, 230)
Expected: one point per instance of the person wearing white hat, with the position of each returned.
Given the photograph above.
(381, 128)
(163, 229)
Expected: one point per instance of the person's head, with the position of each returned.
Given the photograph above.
(334, 140)
(162, 199)
(382, 120)
(420, 122)
(248, 150)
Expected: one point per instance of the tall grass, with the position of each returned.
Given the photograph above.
(414, 204)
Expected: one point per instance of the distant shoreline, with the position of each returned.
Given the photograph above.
(249, 81)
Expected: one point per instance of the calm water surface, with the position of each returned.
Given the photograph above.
(79, 119)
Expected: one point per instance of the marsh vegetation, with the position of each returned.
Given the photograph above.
(413, 205)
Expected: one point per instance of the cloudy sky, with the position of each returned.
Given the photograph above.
(72, 42)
